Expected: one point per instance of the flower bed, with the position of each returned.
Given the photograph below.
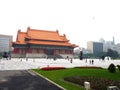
(52, 68)
(94, 67)
(95, 83)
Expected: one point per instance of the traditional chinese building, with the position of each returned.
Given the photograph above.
(42, 43)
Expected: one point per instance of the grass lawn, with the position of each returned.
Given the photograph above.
(58, 76)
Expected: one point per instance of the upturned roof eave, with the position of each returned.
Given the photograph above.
(46, 39)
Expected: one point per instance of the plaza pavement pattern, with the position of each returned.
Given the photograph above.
(23, 64)
(15, 74)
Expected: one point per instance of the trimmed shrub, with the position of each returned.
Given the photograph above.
(118, 67)
(112, 68)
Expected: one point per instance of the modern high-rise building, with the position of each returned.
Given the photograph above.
(113, 41)
(95, 47)
(5, 43)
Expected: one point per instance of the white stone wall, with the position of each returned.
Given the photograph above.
(31, 55)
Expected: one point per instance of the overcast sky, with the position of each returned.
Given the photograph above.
(80, 20)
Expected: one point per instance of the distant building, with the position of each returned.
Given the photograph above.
(108, 44)
(102, 40)
(6, 43)
(105, 44)
(42, 43)
(113, 41)
(118, 48)
(85, 51)
(95, 47)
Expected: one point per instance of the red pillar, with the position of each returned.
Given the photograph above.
(45, 51)
(15, 51)
(38, 50)
(30, 50)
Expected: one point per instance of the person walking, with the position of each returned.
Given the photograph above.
(92, 61)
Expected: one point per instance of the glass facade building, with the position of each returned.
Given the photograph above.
(95, 47)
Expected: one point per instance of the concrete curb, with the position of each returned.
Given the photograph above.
(48, 80)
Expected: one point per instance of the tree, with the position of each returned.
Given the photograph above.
(5, 55)
(81, 55)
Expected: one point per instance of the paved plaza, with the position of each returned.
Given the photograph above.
(23, 64)
(24, 80)
(15, 74)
